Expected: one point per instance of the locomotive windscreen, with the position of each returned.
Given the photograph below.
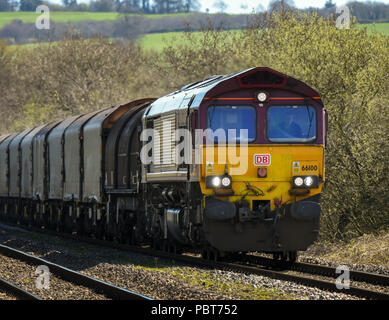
(235, 118)
(291, 123)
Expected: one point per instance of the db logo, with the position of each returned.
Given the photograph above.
(262, 159)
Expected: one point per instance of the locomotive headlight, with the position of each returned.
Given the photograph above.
(298, 181)
(216, 182)
(262, 97)
(226, 182)
(308, 181)
(219, 182)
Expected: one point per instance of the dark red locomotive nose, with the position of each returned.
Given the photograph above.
(262, 172)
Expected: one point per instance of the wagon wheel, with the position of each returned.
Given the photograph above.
(284, 256)
(210, 254)
(292, 256)
(276, 256)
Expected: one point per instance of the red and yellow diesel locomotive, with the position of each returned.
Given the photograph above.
(233, 163)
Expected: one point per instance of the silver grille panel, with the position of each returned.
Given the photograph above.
(165, 151)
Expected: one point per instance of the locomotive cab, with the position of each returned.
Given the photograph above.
(276, 166)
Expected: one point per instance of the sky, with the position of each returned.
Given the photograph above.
(234, 6)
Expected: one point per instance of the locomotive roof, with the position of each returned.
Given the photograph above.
(193, 94)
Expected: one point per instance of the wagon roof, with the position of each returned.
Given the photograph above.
(193, 94)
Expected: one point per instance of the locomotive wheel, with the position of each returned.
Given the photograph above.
(210, 254)
(292, 256)
(155, 244)
(167, 247)
(177, 249)
(133, 240)
(276, 256)
(100, 231)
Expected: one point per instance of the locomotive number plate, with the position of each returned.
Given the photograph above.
(305, 167)
(262, 159)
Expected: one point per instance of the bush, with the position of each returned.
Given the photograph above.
(72, 77)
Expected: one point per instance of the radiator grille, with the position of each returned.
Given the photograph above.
(164, 152)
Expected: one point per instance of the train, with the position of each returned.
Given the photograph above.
(233, 163)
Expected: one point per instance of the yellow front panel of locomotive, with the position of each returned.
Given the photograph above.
(282, 163)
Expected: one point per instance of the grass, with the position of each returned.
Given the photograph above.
(157, 41)
(378, 27)
(367, 249)
(7, 17)
(70, 16)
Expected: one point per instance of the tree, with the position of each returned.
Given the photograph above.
(103, 6)
(329, 4)
(192, 5)
(128, 6)
(29, 5)
(221, 5)
(174, 6)
(244, 6)
(146, 6)
(260, 8)
(5, 5)
(70, 4)
(281, 5)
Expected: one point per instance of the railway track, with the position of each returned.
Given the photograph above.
(16, 291)
(281, 272)
(367, 277)
(107, 289)
(255, 265)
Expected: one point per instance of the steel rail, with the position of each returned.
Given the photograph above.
(238, 267)
(17, 291)
(362, 276)
(312, 282)
(109, 290)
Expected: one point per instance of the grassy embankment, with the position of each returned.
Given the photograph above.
(368, 250)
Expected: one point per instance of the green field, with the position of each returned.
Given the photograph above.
(158, 41)
(63, 16)
(7, 17)
(379, 27)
